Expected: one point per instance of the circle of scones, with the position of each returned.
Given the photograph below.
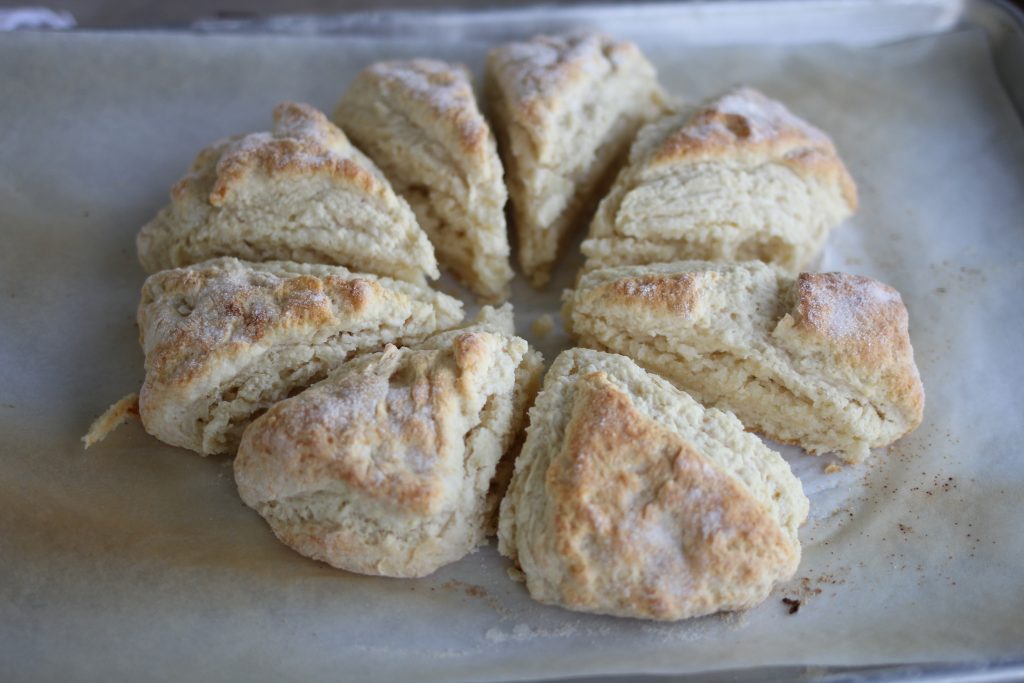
(301, 192)
(822, 360)
(737, 178)
(419, 121)
(386, 467)
(630, 498)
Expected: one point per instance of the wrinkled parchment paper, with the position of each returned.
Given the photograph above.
(138, 559)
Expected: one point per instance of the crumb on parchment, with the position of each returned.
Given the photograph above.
(114, 416)
(542, 325)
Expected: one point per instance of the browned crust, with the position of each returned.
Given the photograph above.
(678, 293)
(443, 88)
(533, 74)
(302, 142)
(867, 324)
(382, 431)
(864, 317)
(225, 312)
(620, 470)
(744, 121)
(300, 145)
(394, 407)
(860, 323)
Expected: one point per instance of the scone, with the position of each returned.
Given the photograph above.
(225, 339)
(631, 499)
(419, 121)
(822, 360)
(301, 192)
(565, 109)
(387, 466)
(737, 178)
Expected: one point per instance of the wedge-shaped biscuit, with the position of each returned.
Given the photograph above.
(225, 339)
(629, 498)
(301, 192)
(565, 109)
(388, 466)
(419, 121)
(823, 360)
(737, 178)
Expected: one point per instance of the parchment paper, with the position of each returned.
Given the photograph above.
(138, 559)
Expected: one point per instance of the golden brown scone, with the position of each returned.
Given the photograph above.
(419, 121)
(630, 498)
(300, 192)
(823, 361)
(565, 109)
(388, 466)
(737, 178)
(225, 339)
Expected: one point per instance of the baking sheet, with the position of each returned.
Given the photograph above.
(138, 559)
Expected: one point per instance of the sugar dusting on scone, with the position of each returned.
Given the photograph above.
(300, 192)
(629, 498)
(737, 178)
(226, 339)
(565, 109)
(823, 360)
(419, 121)
(388, 466)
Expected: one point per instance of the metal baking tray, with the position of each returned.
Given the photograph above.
(780, 22)
(32, 653)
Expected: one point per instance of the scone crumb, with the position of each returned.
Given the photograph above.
(516, 574)
(114, 416)
(833, 468)
(542, 326)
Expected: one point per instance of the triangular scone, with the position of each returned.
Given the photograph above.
(565, 109)
(822, 361)
(737, 178)
(301, 192)
(419, 121)
(387, 466)
(225, 339)
(631, 499)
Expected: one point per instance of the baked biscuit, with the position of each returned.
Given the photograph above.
(225, 339)
(737, 178)
(631, 499)
(822, 360)
(565, 109)
(301, 192)
(419, 121)
(387, 466)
